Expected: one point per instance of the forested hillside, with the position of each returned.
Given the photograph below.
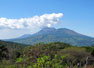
(51, 55)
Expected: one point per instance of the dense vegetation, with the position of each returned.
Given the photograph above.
(51, 55)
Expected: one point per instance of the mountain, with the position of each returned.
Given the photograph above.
(56, 35)
(25, 36)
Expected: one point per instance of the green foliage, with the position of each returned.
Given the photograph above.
(19, 60)
(47, 62)
(74, 55)
(11, 66)
(29, 66)
(51, 55)
(88, 48)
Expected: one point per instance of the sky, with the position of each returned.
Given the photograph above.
(19, 17)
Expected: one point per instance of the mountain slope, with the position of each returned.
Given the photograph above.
(9, 43)
(53, 35)
(11, 46)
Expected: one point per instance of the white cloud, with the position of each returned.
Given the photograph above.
(28, 23)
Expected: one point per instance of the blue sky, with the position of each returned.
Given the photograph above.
(78, 14)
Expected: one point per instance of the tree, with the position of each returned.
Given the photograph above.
(74, 55)
(4, 53)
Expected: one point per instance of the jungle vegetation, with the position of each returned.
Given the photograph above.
(50, 55)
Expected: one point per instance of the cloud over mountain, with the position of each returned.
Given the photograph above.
(28, 23)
